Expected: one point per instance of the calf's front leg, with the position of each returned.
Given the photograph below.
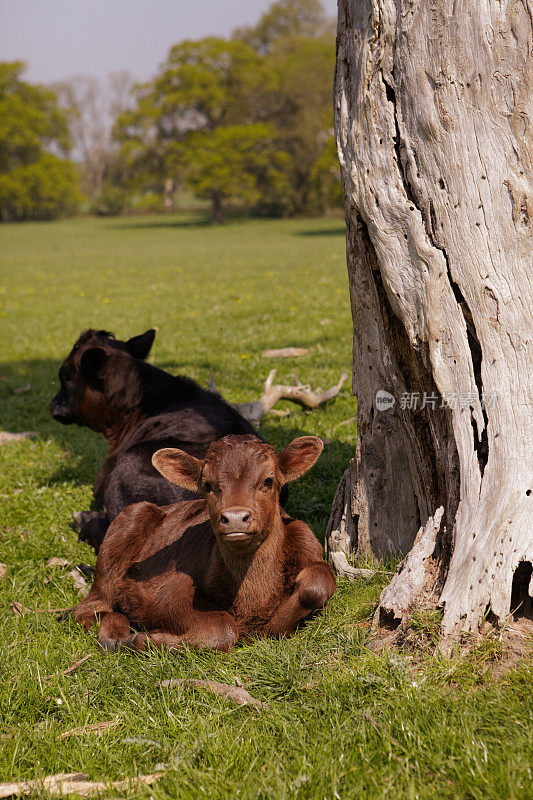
(314, 586)
(114, 628)
(209, 629)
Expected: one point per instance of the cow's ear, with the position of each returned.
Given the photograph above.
(179, 467)
(140, 346)
(92, 365)
(299, 456)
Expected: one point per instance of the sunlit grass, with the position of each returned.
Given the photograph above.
(342, 721)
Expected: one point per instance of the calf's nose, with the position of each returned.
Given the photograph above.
(234, 520)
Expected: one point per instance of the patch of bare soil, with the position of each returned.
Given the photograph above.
(502, 648)
(517, 646)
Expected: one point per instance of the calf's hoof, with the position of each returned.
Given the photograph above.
(110, 646)
(81, 518)
(87, 570)
(65, 614)
(136, 642)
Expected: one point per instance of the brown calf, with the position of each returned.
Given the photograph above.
(209, 572)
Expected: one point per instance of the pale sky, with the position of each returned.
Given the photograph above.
(62, 38)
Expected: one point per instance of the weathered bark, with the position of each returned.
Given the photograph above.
(433, 124)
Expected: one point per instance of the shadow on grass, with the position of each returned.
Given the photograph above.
(142, 223)
(340, 231)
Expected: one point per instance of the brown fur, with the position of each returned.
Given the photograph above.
(209, 572)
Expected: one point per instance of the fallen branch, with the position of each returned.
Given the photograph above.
(410, 576)
(300, 393)
(350, 421)
(74, 783)
(235, 693)
(18, 609)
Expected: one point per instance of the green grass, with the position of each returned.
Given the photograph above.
(342, 721)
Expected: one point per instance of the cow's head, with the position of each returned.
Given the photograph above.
(98, 377)
(240, 478)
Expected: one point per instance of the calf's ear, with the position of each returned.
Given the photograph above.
(178, 467)
(140, 346)
(92, 364)
(299, 456)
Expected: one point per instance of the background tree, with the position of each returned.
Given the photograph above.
(278, 72)
(36, 182)
(237, 162)
(203, 86)
(300, 109)
(296, 39)
(286, 18)
(433, 123)
(324, 178)
(91, 106)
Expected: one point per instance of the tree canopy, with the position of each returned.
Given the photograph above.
(246, 120)
(36, 182)
(235, 162)
(283, 19)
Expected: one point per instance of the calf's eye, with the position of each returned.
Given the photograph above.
(269, 483)
(207, 488)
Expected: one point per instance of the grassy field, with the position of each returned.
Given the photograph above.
(342, 721)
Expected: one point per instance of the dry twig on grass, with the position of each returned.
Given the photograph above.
(285, 352)
(74, 783)
(70, 669)
(235, 693)
(369, 718)
(18, 609)
(22, 389)
(96, 727)
(299, 393)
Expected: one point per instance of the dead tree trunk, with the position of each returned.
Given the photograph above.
(433, 123)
